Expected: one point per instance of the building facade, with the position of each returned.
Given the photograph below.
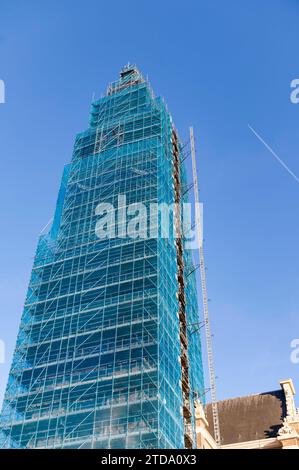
(107, 355)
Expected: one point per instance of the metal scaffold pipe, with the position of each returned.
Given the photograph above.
(205, 295)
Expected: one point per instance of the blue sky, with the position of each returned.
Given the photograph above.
(220, 66)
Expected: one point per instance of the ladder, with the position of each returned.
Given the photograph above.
(205, 296)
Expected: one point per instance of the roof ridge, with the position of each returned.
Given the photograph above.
(247, 396)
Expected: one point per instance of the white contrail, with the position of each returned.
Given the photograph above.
(285, 166)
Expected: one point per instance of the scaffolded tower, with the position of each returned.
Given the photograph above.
(105, 355)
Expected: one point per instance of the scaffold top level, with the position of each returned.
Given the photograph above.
(129, 69)
(129, 76)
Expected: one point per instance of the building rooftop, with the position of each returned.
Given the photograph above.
(249, 418)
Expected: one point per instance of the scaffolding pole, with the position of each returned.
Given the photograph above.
(205, 295)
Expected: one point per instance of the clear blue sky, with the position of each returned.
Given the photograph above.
(220, 65)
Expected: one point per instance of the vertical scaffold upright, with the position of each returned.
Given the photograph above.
(104, 357)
